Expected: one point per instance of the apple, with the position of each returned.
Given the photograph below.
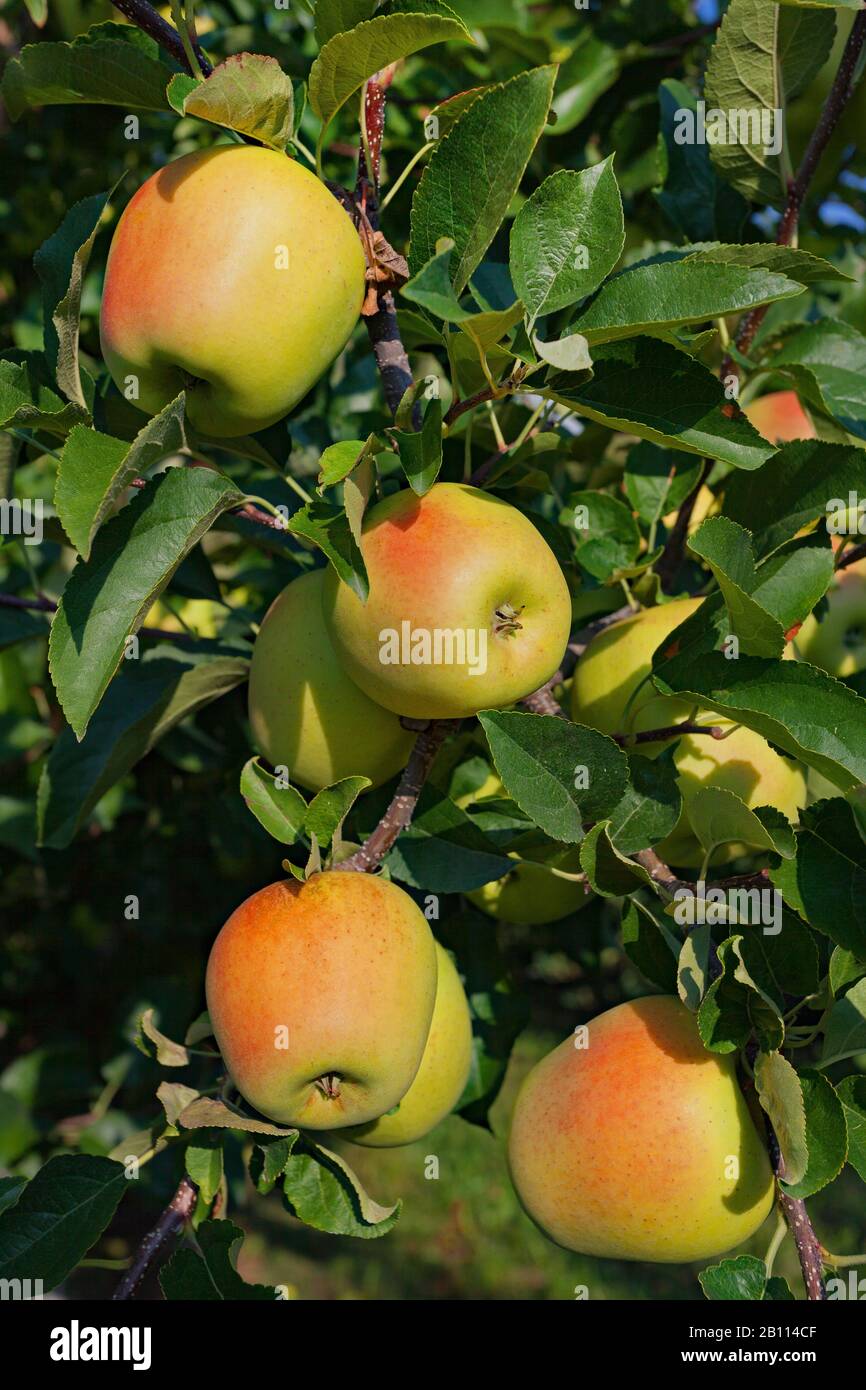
(321, 997)
(837, 644)
(743, 763)
(236, 276)
(630, 1141)
(531, 896)
(305, 713)
(614, 670)
(611, 690)
(443, 1072)
(468, 607)
(780, 417)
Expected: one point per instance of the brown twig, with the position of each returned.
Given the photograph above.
(668, 566)
(402, 808)
(169, 1224)
(794, 1211)
(151, 22)
(459, 408)
(851, 557)
(663, 875)
(542, 701)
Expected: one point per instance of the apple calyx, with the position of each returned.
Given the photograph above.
(329, 1085)
(505, 620)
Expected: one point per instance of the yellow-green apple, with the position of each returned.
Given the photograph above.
(632, 1142)
(321, 996)
(837, 644)
(468, 607)
(442, 1074)
(780, 417)
(530, 895)
(611, 690)
(742, 763)
(233, 274)
(306, 714)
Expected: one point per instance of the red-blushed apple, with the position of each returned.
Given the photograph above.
(442, 1074)
(780, 417)
(235, 275)
(306, 714)
(468, 607)
(321, 997)
(632, 1142)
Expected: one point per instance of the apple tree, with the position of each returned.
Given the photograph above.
(451, 491)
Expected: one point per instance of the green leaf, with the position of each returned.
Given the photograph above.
(791, 490)
(322, 1191)
(559, 773)
(95, 469)
(61, 263)
(107, 597)
(206, 1113)
(678, 292)
(761, 57)
(473, 174)
(204, 1164)
(148, 698)
(693, 967)
(569, 354)
(724, 1018)
(339, 460)
(19, 625)
(162, 1049)
(27, 401)
(845, 968)
(61, 1213)
(826, 883)
(421, 450)
(567, 238)
(846, 1027)
(587, 73)
(112, 65)
(329, 808)
(720, 817)
(10, 1191)
(698, 203)
(852, 1093)
(805, 713)
(826, 1136)
(763, 604)
(349, 59)
(337, 16)
(248, 92)
(431, 287)
(444, 851)
(606, 535)
(650, 946)
(802, 266)
(279, 807)
(211, 1276)
(328, 527)
(827, 361)
(650, 806)
(742, 1279)
(610, 873)
(658, 481)
(781, 1095)
(647, 387)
